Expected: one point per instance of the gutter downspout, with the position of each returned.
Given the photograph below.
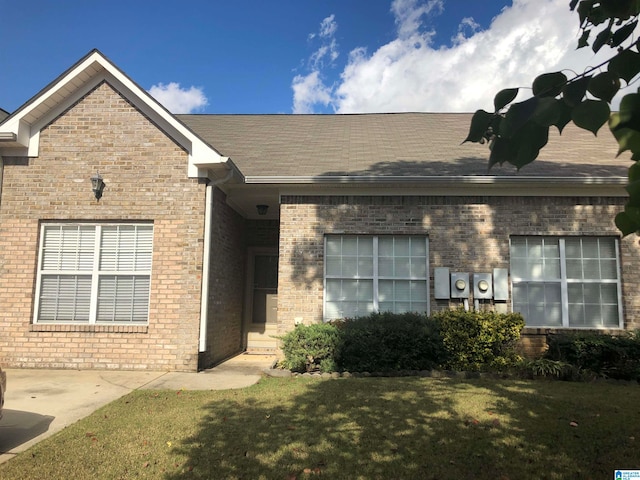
(206, 259)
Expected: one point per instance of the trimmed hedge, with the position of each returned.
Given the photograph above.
(612, 356)
(384, 342)
(480, 341)
(311, 348)
(389, 342)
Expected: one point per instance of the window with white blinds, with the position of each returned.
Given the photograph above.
(565, 282)
(94, 273)
(366, 274)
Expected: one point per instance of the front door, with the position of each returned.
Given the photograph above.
(261, 304)
(265, 289)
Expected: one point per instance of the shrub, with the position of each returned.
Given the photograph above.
(384, 342)
(613, 356)
(478, 341)
(543, 367)
(309, 348)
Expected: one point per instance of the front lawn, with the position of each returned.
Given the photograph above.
(357, 428)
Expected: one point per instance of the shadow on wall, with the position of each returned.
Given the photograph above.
(466, 233)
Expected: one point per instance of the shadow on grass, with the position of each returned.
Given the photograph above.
(404, 428)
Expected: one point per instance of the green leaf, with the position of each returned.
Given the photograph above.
(633, 189)
(549, 84)
(625, 224)
(623, 33)
(517, 115)
(522, 149)
(479, 124)
(597, 14)
(574, 91)
(601, 40)
(629, 114)
(547, 111)
(628, 139)
(604, 86)
(531, 138)
(634, 172)
(504, 97)
(626, 65)
(621, 9)
(633, 213)
(584, 10)
(564, 118)
(584, 39)
(501, 151)
(591, 115)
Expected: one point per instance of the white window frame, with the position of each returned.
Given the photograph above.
(95, 273)
(564, 282)
(376, 277)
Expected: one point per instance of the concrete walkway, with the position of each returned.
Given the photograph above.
(39, 403)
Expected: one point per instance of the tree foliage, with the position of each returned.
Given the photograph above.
(516, 132)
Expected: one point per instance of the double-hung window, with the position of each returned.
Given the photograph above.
(566, 282)
(94, 274)
(366, 274)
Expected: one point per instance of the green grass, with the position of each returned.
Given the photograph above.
(359, 428)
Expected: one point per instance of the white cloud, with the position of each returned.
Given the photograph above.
(467, 23)
(309, 91)
(410, 74)
(179, 100)
(328, 27)
(409, 14)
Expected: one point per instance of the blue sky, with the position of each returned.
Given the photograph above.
(294, 56)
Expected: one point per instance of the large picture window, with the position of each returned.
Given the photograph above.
(570, 282)
(96, 274)
(366, 274)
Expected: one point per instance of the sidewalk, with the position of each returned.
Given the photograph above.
(39, 402)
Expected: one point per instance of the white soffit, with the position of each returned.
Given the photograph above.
(25, 124)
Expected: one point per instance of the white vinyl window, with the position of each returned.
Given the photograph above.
(367, 274)
(96, 274)
(570, 282)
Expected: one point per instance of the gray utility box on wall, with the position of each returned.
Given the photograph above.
(459, 285)
(441, 286)
(482, 286)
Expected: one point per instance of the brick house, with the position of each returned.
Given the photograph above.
(216, 232)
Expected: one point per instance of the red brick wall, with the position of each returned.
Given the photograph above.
(468, 234)
(146, 179)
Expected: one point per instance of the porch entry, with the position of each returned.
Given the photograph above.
(261, 304)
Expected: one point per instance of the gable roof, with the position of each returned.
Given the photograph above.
(392, 145)
(20, 131)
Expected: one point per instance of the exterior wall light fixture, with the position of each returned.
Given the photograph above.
(97, 184)
(262, 209)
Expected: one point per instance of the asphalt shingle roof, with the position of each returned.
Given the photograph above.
(397, 144)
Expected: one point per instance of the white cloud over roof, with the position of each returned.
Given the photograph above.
(409, 73)
(177, 99)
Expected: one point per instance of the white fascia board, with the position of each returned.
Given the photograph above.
(435, 179)
(77, 82)
(448, 186)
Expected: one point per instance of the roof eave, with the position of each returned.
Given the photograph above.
(435, 180)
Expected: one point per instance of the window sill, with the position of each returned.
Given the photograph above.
(548, 330)
(53, 327)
